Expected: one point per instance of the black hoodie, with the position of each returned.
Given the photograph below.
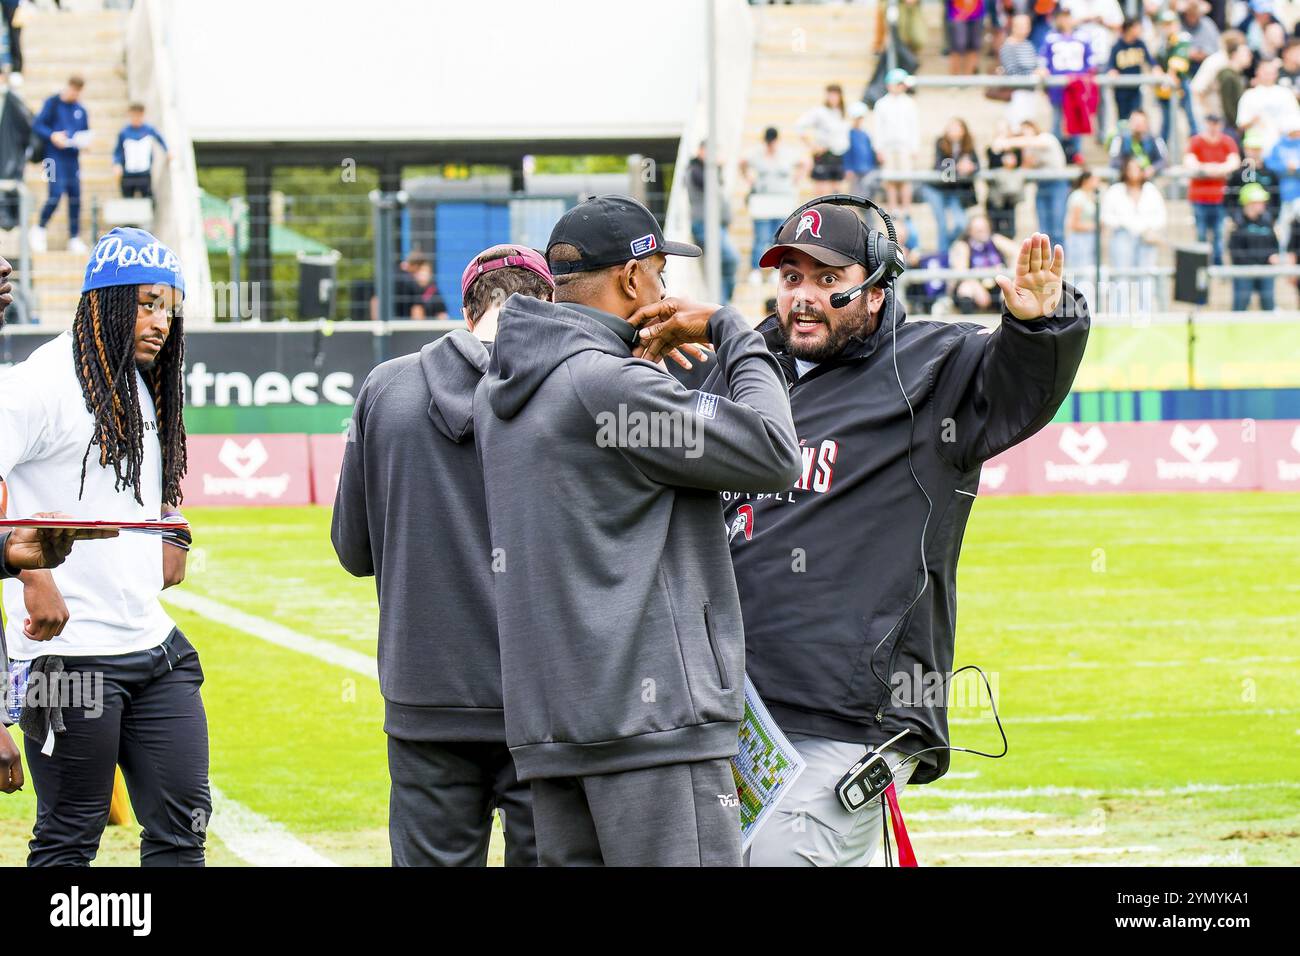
(410, 511)
(827, 569)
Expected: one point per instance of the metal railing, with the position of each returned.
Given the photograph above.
(18, 187)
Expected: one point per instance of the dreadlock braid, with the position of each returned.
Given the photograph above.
(103, 351)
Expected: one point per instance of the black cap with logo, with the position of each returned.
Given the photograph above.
(831, 234)
(608, 231)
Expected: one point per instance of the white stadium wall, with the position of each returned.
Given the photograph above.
(313, 70)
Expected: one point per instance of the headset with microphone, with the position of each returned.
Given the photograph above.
(885, 258)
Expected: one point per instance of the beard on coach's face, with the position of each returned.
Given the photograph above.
(818, 337)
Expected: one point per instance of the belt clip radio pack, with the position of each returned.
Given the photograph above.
(868, 778)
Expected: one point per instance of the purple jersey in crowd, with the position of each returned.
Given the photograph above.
(984, 255)
(1064, 54)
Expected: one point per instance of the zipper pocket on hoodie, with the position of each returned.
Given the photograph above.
(713, 646)
(886, 699)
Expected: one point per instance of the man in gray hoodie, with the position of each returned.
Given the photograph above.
(622, 653)
(410, 511)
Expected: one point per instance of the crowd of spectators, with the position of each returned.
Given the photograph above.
(1213, 119)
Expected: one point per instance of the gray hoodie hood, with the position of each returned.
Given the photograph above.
(533, 338)
(452, 366)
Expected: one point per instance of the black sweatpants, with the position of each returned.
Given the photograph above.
(152, 723)
(137, 184)
(682, 814)
(441, 802)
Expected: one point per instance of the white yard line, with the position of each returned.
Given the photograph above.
(256, 840)
(1034, 831)
(250, 836)
(1097, 665)
(920, 793)
(273, 633)
(1141, 715)
(1045, 852)
(968, 814)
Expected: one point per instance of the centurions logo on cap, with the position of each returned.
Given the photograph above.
(643, 245)
(810, 221)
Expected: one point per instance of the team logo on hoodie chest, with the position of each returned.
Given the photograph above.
(818, 473)
(818, 465)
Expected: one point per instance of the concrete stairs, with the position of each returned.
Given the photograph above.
(56, 45)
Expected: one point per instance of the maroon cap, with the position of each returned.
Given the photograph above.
(523, 258)
(832, 234)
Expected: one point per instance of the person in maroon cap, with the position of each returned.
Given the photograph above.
(410, 511)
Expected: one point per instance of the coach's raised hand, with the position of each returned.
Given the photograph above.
(670, 323)
(1036, 290)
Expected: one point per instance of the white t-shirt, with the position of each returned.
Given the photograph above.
(774, 193)
(137, 155)
(111, 587)
(1266, 107)
(828, 127)
(897, 124)
(1119, 211)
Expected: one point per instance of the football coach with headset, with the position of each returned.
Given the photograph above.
(847, 580)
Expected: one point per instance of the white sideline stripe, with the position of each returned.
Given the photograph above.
(1235, 858)
(1049, 851)
(1163, 715)
(969, 814)
(1155, 622)
(1034, 831)
(1173, 861)
(273, 633)
(918, 793)
(1095, 665)
(256, 840)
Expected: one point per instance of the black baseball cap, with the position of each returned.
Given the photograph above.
(608, 231)
(832, 234)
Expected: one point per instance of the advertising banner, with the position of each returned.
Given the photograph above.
(248, 470)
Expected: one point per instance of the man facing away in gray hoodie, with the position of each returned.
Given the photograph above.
(622, 653)
(409, 510)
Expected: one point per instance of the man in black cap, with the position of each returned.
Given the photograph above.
(850, 641)
(622, 654)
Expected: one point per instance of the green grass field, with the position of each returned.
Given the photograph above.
(1145, 652)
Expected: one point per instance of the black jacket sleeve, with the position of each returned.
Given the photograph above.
(997, 388)
(350, 527)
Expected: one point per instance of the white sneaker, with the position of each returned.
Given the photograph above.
(76, 245)
(15, 79)
(36, 236)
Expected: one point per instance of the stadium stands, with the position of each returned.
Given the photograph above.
(56, 45)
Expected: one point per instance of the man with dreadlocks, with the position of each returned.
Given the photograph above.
(91, 425)
(24, 549)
